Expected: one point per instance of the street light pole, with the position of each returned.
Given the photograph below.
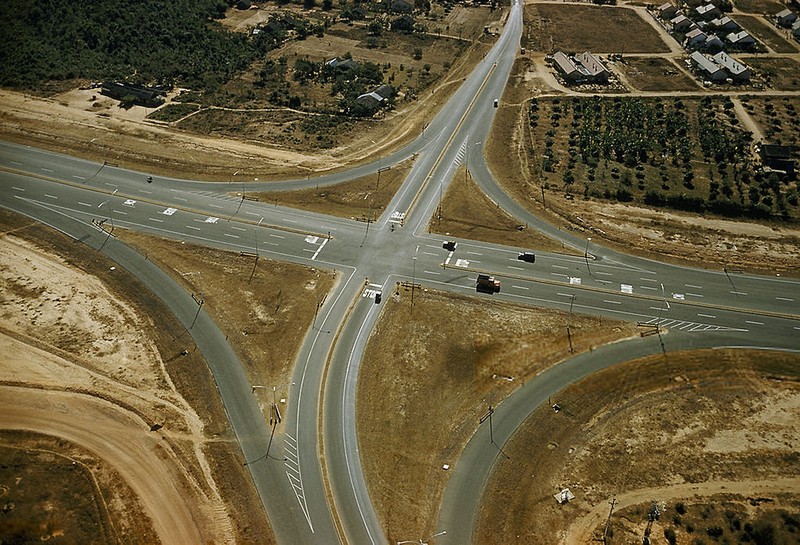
(414, 278)
(586, 255)
(569, 323)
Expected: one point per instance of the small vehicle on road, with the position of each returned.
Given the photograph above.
(527, 257)
(450, 245)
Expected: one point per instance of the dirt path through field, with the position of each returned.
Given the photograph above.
(581, 530)
(116, 437)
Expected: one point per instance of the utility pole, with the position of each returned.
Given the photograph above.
(484, 418)
(608, 520)
(569, 323)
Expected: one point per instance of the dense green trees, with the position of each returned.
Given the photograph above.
(177, 41)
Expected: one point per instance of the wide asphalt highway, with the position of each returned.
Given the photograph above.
(87, 200)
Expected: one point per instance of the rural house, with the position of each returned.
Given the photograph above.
(713, 44)
(681, 23)
(342, 64)
(564, 65)
(724, 23)
(708, 12)
(375, 98)
(740, 39)
(694, 39)
(706, 68)
(778, 157)
(593, 69)
(738, 72)
(785, 18)
(133, 94)
(666, 11)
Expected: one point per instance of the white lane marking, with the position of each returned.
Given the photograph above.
(230, 235)
(520, 287)
(738, 292)
(564, 294)
(277, 236)
(433, 272)
(601, 273)
(516, 268)
(156, 219)
(17, 188)
(784, 299)
(321, 246)
(84, 204)
(706, 315)
(648, 279)
(238, 228)
(78, 177)
(754, 323)
(429, 253)
(693, 286)
(658, 308)
(474, 253)
(146, 191)
(17, 163)
(120, 212)
(560, 267)
(193, 227)
(109, 185)
(180, 199)
(50, 196)
(612, 302)
(47, 169)
(649, 288)
(291, 221)
(693, 294)
(212, 205)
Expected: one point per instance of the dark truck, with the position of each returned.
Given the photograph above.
(487, 284)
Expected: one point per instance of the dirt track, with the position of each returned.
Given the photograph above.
(118, 438)
(582, 530)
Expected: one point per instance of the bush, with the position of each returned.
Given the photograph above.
(669, 533)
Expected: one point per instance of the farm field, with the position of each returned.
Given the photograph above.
(599, 29)
(768, 7)
(783, 73)
(778, 118)
(655, 74)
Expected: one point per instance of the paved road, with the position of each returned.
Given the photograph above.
(86, 200)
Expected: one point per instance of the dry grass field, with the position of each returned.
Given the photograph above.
(675, 430)
(416, 414)
(655, 74)
(767, 7)
(783, 74)
(766, 34)
(599, 29)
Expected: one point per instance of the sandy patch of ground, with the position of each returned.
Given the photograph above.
(688, 425)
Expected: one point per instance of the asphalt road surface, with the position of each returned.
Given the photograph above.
(700, 308)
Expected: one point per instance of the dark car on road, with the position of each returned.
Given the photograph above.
(450, 245)
(528, 257)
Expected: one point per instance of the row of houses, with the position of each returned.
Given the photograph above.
(705, 26)
(582, 68)
(789, 20)
(719, 67)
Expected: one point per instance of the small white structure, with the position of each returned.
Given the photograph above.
(741, 38)
(564, 496)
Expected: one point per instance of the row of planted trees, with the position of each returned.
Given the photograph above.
(683, 154)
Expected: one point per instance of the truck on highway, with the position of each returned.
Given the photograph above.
(487, 284)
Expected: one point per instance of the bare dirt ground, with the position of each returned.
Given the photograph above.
(416, 414)
(93, 372)
(686, 427)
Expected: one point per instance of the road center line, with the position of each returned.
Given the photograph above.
(693, 286)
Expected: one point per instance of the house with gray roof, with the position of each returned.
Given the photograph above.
(707, 68)
(667, 11)
(566, 67)
(785, 18)
(694, 38)
(724, 23)
(681, 23)
(708, 12)
(592, 68)
(740, 39)
(737, 71)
